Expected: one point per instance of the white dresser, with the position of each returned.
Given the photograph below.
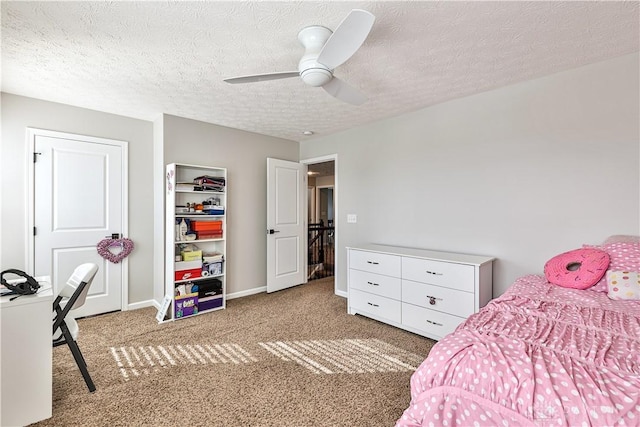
(426, 292)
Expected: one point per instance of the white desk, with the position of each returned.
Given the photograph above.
(25, 356)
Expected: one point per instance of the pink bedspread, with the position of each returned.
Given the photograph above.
(538, 355)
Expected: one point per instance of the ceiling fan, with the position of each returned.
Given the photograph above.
(324, 51)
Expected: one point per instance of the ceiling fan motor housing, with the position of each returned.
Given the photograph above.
(313, 39)
(315, 76)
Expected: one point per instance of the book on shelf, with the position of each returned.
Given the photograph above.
(207, 179)
(209, 183)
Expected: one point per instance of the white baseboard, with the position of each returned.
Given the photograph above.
(247, 292)
(144, 304)
(156, 304)
(261, 289)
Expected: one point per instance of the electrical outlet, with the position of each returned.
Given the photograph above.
(352, 218)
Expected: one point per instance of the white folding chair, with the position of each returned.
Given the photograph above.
(65, 327)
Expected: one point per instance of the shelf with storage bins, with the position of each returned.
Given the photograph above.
(196, 211)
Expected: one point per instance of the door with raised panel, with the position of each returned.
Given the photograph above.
(79, 196)
(286, 224)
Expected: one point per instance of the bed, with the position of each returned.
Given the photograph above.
(540, 354)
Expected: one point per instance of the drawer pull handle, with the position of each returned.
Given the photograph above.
(434, 323)
(435, 273)
(373, 284)
(432, 300)
(376, 305)
(372, 262)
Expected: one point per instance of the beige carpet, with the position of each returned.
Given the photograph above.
(292, 358)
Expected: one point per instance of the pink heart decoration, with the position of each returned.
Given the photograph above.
(122, 246)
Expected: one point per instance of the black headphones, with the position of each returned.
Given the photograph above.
(28, 287)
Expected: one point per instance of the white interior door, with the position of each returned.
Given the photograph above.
(79, 197)
(286, 224)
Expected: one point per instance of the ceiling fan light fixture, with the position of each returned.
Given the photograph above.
(316, 76)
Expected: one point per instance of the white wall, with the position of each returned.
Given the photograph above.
(158, 209)
(18, 113)
(151, 146)
(521, 173)
(244, 154)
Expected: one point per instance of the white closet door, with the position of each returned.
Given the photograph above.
(286, 224)
(78, 201)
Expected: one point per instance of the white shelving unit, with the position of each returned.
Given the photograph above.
(195, 283)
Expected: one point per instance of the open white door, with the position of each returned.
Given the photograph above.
(79, 198)
(286, 224)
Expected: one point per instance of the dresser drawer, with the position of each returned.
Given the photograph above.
(375, 305)
(446, 274)
(375, 262)
(378, 284)
(431, 322)
(446, 300)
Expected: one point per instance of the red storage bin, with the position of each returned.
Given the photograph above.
(206, 225)
(209, 234)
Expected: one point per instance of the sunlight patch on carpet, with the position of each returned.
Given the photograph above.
(346, 356)
(141, 360)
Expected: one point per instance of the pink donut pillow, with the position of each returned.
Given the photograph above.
(577, 269)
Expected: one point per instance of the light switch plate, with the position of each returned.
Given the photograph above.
(352, 218)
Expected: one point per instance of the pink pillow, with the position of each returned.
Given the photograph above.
(622, 238)
(625, 256)
(577, 269)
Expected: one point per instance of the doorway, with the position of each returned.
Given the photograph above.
(321, 215)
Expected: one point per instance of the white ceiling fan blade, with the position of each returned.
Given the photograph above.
(262, 77)
(347, 38)
(344, 92)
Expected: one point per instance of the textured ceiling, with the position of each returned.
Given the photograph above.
(141, 59)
